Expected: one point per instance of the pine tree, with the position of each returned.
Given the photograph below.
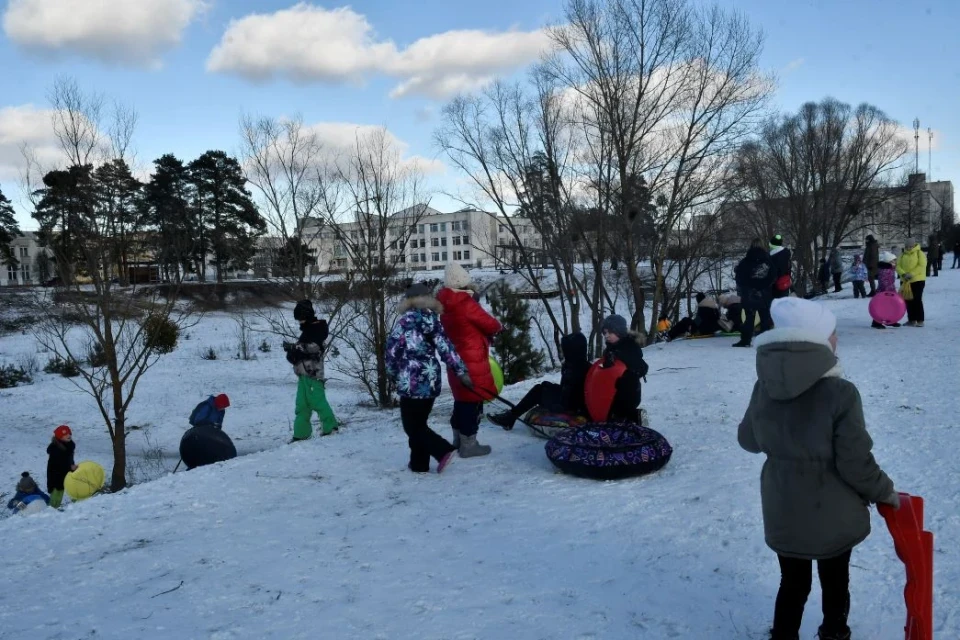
(167, 198)
(224, 212)
(8, 231)
(515, 351)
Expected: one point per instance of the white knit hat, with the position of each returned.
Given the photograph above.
(886, 256)
(803, 315)
(456, 277)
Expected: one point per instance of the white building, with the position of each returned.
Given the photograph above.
(421, 238)
(34, 262)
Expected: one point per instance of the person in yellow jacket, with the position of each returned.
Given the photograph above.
(912, 269)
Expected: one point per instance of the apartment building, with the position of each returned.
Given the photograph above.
(33, 262)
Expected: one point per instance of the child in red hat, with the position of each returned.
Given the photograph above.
(59, 463)
(210, 412)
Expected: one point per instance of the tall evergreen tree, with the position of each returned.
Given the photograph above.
(515, 351)
(292, 257)
(8, 231)
(223, 212)
(119, 215)
(65, 211)
(167, 199)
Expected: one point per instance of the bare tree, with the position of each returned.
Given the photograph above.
(373, 202)
(816, 174)
(667, 90)
(282, 160)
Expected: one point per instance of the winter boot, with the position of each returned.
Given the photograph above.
(841, 634)
(470, 448)
(741, 344)
(445, 461)
(456, 438)
(877, 325)
(505, 419)
(783, 636)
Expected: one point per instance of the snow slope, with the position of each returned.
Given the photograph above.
(334, 538)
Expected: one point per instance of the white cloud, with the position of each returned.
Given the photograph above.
(25, 125)
(310, 43)
(793, 65)
(341, 139)
(906, 133)
(125, 32)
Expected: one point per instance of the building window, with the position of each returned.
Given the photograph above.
(434, 242)
(456, 241)
(464, 225)
(443, 241)
(413, 229)
(24, 252)
(413, 244)
(466, 255)
(423, 242)
(466, 240)
(415, 258)
(403, 259)
(423, 257)
(435, 256)
(421, 228)
(455, 225)
(444, 256)
(434, 227)
(457, 255)
(443, 227)
(12, 274)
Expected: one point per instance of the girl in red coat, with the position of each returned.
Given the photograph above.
(470, 328)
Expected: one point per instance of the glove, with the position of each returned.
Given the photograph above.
(465, 380)
(608, 360)
(893, 499)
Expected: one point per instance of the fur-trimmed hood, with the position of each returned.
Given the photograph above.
(790, 361)
(425, 303)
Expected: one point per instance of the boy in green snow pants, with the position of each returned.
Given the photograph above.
(306, 356)
(311, 396)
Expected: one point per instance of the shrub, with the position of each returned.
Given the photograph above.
(96, 356)
(160, 333)
(264, 346)
(68, 368)
(209, 354)
(11, 376)
(29, 363)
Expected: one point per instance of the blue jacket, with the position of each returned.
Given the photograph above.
(20, 499)
(412, 348)
(206, 414)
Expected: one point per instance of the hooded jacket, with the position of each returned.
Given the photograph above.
(820, 474)
(629, 389)
(59, 463)
(306, 356)
(780, 259)
(913, 262)
(573, 373)
(206, 414)
(871, 255)
(470, 329)
(755, 274)
(412, 348)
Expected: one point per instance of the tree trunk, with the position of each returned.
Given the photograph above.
(118, 479)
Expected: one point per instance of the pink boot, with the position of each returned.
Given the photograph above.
(445, 460)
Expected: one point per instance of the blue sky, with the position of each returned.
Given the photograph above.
(356, 66)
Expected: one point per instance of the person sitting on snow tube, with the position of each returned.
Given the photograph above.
(210, 412)
(625, 346)
(27, 492)
(566, 397)
(705, 322)
(732, 319)
(470, 328)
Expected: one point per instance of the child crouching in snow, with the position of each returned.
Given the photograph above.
(819, 475)
(412, 348)
(27, 493)
(886, 281)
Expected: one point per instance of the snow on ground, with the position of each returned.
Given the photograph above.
(334, 538)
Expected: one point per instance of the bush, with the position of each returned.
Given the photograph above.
(264, 346)
(68, 368)
(160, 333)
(96, 356)
(209, 354)
(11, 376)
(518, 357)
(29, 363)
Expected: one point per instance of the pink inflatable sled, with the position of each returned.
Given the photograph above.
(887, 307)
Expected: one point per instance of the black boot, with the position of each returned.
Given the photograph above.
(505, 419)
(839, 634)
(877, 325)
(741, 344)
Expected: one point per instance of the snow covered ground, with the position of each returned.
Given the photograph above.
(334, 538)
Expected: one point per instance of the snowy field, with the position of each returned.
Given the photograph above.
(334, 538)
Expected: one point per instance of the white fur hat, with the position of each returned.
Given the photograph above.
(886, 256)
(456, 277)
(804, 315)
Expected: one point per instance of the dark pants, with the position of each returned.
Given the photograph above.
(752, 308)
(466, 417)
(956, 260)
(796, 577)
(836, 282)
(546, 394)
(424, 442)
(872, 276)
(915, 306)
(682, 328)
(859, 290)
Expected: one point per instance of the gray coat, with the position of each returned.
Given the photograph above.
(819, 475)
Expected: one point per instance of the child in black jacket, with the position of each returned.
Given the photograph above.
(566, 396)
(60, 462)
(624, 346)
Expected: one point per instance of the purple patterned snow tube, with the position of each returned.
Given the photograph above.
(609, 450)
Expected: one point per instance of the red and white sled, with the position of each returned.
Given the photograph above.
(915, 548)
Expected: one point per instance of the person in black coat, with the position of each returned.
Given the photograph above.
(780, 258)
(624, 346)
(755, 277)
(59, 463)
(705, 321)
(565, 397)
